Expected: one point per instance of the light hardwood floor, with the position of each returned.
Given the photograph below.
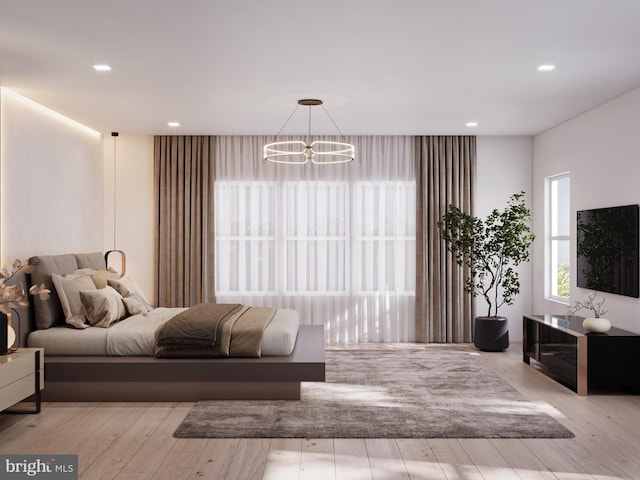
(133, 441)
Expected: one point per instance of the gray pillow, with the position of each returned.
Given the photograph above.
(102, 307)
(49, 312)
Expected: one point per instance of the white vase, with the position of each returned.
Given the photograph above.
(596, 325)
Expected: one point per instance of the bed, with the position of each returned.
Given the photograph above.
(135, 336)
(117, 363)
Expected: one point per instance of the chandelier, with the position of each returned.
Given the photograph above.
(298, 152)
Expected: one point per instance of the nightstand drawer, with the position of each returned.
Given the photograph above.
(16, 368)
(21, 377)
(20, 389)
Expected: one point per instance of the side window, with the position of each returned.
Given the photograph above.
(557, 233)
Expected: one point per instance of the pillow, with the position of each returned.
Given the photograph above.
(48, 313)
(68, 288)
(102, 307)
(135, 305)
(128, 287)
(99, 277)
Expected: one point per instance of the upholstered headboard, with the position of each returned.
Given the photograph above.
(48, 313)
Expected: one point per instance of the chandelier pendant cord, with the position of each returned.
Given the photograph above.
(333, 122)
(287, 121)
(330, 118)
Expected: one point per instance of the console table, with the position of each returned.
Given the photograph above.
(582, 360)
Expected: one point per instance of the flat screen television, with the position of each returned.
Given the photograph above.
(607, 247)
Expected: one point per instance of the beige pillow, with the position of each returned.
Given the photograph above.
(128, 287)
(99, 277)
(68, 288)
(135, 305)
(102, 307)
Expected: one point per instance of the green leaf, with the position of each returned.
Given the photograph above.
(490, 248)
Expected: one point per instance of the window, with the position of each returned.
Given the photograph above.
(336, 251)
(316, 238)
(336, 243)
(246, 237)
(558, 228)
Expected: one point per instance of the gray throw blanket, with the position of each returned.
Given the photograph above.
(214, 330)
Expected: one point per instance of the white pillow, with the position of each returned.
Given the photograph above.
(128, 287)
(102, 307)
(68, 288)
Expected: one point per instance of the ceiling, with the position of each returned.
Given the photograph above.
(381, 66)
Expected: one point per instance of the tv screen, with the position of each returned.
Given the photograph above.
(607, 246)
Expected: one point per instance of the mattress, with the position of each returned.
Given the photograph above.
(135, 336)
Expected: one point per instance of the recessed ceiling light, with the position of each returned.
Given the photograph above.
(471, 124)
(174, 124)
(546, 68)
(102, 68)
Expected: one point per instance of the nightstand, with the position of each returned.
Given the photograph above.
(21, 376)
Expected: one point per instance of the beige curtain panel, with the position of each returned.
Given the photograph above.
(445, 174)
(184, 256)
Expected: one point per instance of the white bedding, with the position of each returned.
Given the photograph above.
(135, 336)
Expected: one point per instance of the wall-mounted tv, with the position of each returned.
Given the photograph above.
(607, 247)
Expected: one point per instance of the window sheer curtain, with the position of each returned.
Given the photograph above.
(184, 261)
(336, 243)
(354, 247)
(446, 174)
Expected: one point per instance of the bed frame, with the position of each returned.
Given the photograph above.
(106, 379)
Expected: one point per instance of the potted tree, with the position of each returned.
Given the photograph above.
(491, 248)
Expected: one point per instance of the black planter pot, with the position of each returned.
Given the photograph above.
(491, 334)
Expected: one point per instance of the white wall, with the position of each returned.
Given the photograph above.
(600, 150)
(57, 192)
(505, 168)
(51, 182)
(134, 204)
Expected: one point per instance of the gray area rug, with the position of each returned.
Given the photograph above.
(400, 393)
